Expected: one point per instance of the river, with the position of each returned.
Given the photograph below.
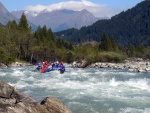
(88, 90)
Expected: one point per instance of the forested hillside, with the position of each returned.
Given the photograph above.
(129, 27)
(19, 43)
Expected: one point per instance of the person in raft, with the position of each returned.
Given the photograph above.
(61, 65)
(44, 67)
(39, 67)
(45, 64)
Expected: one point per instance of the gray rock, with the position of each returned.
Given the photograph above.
(135, 65)
(13, 101)
(2, 65)
(19, 64)
(55, 106)
(5, 90)
(80, 64)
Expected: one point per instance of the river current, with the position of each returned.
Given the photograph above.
(88, 90)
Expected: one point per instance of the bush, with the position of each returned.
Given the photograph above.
(110, 57)
(91, 58)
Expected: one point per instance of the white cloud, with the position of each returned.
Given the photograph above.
(37, 8)
(98, 10)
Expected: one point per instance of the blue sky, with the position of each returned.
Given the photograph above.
(100, 7)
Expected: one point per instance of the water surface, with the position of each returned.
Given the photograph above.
(85, 90)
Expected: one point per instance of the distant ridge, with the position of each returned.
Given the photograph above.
(59, 20)
(5, 16)
(129, 27)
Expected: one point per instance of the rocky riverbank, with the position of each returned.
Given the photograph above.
(19, 64)
(136, 65)
(15, 64)
(13, 101)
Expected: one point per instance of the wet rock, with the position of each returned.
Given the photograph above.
(13, 101)
(5, 90)
(55, 106)
(2, 65)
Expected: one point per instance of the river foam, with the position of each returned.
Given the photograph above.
(85, 90)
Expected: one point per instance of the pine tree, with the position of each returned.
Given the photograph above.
(44, 31)
(50, 35)
(104, 44)
(23, 24)
(113, 44)
(11, 25)
(130, 50)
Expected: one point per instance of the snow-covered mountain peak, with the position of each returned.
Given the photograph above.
(47, 10)
(32, 13)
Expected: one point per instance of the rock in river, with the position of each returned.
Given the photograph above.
(13, 101)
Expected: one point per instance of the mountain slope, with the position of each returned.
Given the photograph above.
(132, 26)
(5, 16)
(59, 19)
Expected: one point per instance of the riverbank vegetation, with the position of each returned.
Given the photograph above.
(19, 42)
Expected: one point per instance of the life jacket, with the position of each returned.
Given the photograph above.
(45, 66)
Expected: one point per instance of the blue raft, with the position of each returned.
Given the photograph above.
(58, 67)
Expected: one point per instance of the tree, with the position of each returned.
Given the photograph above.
(50, 35)
(113, 44)
(130, 51)
(11, 25)
(69, 57)
(104, 44)
(23, 24)
(44, 31)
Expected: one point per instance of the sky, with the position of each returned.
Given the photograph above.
(99, 8)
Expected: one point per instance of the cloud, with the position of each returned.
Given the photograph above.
(98, 10)
(37, 8)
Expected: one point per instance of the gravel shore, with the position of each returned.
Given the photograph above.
(136, 65)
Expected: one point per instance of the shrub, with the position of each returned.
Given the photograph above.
(110, 57)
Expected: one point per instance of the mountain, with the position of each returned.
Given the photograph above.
(128, 27)
(5, 16)
(59, 20)
(29, 14)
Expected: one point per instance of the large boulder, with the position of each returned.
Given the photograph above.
(5, 90)
(13, 101)
(55, 106)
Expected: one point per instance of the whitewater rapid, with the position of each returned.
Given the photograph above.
(87, 90)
